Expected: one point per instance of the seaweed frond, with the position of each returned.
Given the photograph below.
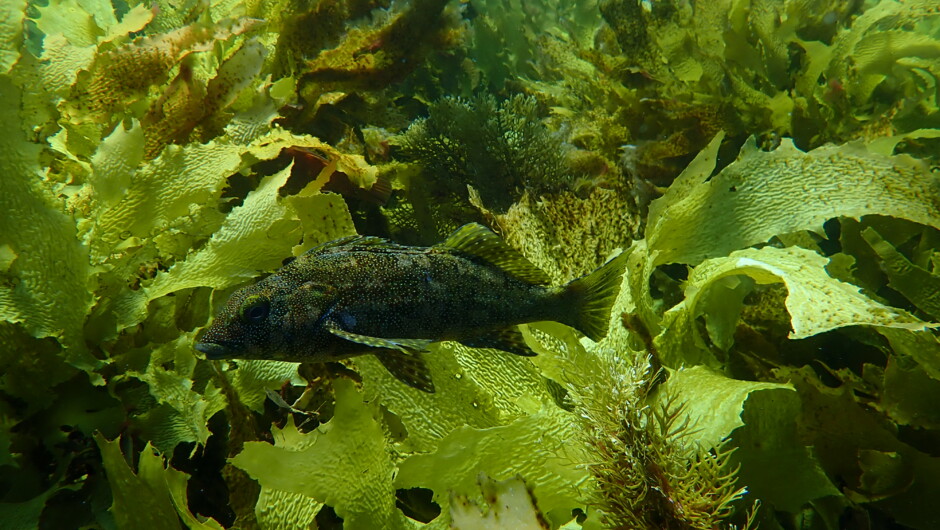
(648, 468)
(498, 148)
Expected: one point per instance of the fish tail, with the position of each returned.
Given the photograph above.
(590, 298)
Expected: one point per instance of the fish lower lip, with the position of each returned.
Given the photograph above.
(213, 351)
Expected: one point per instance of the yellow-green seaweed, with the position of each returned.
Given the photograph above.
(769, 165)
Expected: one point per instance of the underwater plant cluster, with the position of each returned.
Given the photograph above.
(770, 168)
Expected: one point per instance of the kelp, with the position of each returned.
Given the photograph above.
(509, 503)
(116, 215)
(659, 80)
(369, 57)
(772, 359)
(720, 301)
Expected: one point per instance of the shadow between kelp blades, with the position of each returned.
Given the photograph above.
(366, 295)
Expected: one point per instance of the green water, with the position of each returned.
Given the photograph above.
(770, 166)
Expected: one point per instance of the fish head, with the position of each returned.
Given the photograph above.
(247, 325)
(270, 320)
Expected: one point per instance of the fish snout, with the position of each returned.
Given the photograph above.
(213, 351)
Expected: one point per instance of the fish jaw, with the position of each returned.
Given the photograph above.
(213, 351)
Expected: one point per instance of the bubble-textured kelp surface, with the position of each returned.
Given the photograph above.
(770, 165)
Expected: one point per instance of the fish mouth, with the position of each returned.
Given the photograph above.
(214, 351)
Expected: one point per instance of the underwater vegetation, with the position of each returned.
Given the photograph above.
(498, 149)
(768, 169)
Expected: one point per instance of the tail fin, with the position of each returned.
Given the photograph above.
(591, 297)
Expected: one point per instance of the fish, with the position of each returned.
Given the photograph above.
(362, 295)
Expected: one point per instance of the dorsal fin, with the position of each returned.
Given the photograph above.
(355, 243)
(479, 241)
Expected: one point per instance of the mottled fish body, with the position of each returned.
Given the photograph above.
(366, 295)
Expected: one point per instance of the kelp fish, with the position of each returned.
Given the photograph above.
(366, 295)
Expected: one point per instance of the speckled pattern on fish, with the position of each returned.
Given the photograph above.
(366, 295)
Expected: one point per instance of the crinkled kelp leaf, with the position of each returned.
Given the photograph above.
(917, 284)
(775, 463)
(48, 284)
(535, 447)
(177, 482)
(60, 62)
(121, 76)
(262, 219)
(270, 223)
(154, 497)
(715, 412)
(72, 19)
(277, 508)
(161, 192)
(12, 15)
(185, 412)
(763, 194)
(285, 509)
(323, 217)
(816, 302)
(114, 165)
(475, 388)
(344, 464)
(141, 499)
(910, 395)
(31, 374)
(844, 434)
(25, 514)
(922, 346)
(252, 378)
(488, 396)
(509, 505)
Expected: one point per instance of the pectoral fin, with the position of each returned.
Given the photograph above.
(402, 345)
(506, 339)
(409, 368)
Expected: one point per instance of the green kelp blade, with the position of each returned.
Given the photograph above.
(714, 402)
(536, 447)
(510, 505)
(917, 284)
(845, 435)
(48, 287)
(12, 14)
(786, 190)
(254, 237)
(816, 302)
(141, 500)
(344, 464)
(473, 387)
(776, 465)
(921, 346)
(911, 395)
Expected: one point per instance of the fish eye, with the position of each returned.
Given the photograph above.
(256, 309)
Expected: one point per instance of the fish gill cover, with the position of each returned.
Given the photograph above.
(769, 166)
